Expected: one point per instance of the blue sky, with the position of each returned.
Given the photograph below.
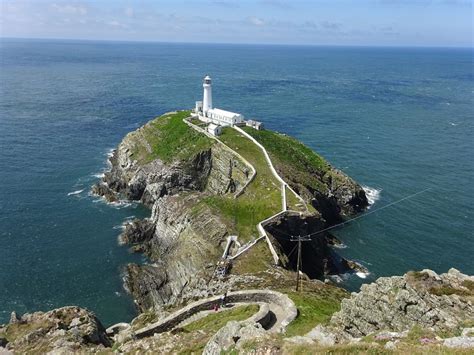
(324, 22)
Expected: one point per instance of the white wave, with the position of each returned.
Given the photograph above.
(99, 175)
(77, 192)
(373, 194)
(362, 275)
(110, 152)
(453, 124)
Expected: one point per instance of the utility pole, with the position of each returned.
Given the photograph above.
(299, 260)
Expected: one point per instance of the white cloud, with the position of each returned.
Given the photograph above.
(70, 9)
(256, 21)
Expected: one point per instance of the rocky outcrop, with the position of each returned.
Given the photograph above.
(232, 335)
(332, 193)
(181, 240)
(441, 302)
(319, 258)
(62, 331)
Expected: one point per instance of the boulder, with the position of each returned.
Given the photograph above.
(232, 335)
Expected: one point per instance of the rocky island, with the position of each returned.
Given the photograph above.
(223, 211)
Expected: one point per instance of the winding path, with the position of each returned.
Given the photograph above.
(276, 311)
(284, 186)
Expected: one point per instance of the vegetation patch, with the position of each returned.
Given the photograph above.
(293, 160)
(314, 308)
(448, 290)
(215, 321)
(169, 139)
(262, 197)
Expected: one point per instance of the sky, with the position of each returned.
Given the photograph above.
(312, 22)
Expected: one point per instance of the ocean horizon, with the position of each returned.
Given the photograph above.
(397, 120)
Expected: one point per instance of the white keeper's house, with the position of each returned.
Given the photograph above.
(217, 117)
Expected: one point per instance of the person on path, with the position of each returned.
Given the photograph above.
(224, 299)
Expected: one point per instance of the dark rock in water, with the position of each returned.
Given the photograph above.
(138, 232)
(318, 258)
(103, 190)
(147, 284)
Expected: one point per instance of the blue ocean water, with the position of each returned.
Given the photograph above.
(398, 120)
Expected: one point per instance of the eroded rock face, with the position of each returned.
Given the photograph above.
(179, 239)
(319, 259)
(183, 238)
(232, 335)
(183, 243)
(63, 330)
(339, 197)
(426, 299)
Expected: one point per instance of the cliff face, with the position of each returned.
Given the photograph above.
(183, 244)
(331, 192)
(171, 168)
(439, 303)
(182, 240)
(63, 330)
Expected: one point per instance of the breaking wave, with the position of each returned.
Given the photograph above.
(77, 192)
(373, 194)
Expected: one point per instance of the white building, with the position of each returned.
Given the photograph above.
(214, 129)
(224, 118)
(254, 124)
(207, 113)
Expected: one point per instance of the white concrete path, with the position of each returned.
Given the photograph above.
(284, 185)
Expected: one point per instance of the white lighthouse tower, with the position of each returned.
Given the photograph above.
(207, 99)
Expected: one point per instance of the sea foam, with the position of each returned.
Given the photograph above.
(77, 192)
(373, 194)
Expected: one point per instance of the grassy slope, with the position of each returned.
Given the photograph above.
(293, 159)
(170, 139)
(261, 199)
(215, 321)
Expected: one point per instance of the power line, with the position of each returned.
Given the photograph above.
(370, 212)
(299, 261)
(358, 217)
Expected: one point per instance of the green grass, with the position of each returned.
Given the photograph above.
(292, 159)
(261, 199)
(448, 290)
(169, 139)
(215, 321)
(313, 309)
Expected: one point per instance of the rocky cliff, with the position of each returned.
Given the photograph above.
(63, 330)
(419, 312)
(175, 171)
(441, 303)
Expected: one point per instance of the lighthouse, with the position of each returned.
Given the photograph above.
(216, 117)
(207, 99)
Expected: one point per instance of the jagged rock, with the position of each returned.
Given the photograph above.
(232, 334)
(321, 336)
(459, 342)
(63, 330)
(425, 299)
(103, 190)
(14, 318)
(318, 257)
(3, 342)
(391, 345)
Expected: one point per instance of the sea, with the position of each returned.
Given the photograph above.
(397, 120)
